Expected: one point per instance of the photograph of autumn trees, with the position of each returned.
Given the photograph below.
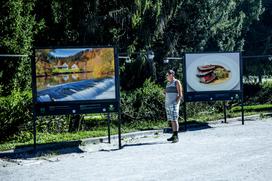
(70, 74)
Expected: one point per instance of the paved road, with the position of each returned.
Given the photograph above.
(223, 152)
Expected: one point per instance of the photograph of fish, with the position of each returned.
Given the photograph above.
(70, 74)
(213, 74)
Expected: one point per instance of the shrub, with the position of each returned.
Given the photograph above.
(145, 103)
(53, 124)
(196, 108)
(15, 111)
(258, 93)
(264, 96)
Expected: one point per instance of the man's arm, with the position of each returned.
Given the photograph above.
(179, 89)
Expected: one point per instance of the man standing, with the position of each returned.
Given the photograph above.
(173, 95)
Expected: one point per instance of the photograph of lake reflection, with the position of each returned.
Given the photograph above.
(71, 74)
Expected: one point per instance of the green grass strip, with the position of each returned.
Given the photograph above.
(261, 107)
(99, 131)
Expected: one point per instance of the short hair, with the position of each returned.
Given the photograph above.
(171, 72)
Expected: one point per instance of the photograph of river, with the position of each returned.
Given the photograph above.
(72, 74)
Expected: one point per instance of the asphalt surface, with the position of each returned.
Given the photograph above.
(222, 152)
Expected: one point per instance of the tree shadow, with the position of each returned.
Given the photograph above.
(135, 144)
(145, 144)
(195, 126)
(191, 125)
(28, 151)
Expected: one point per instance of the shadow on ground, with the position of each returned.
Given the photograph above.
(28, 151)
(145, 144)
(135, 144)
(189, 126)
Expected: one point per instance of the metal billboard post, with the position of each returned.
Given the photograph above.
(225, 112)
(242, 109)
(109, 132)
(184, 116)
(34, 131)
(119, 129)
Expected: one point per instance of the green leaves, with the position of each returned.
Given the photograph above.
(16, 37)
(15, 110)
(145, 103)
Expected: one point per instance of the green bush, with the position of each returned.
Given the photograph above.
(145, 103)
(264, 96)
(258, 93)
(196, 108)
(22, 137)
(15, 111)
(53, 124)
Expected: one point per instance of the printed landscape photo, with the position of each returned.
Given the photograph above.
(70, 74)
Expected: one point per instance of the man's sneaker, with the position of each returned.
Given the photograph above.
(175, 139)
(171, 138)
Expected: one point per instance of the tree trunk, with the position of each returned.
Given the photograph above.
(260, 78)
(74, 124)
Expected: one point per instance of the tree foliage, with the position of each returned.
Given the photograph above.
(16, 37)
(258, 42)
(168, 27)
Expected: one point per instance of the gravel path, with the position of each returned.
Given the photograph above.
(223, 152)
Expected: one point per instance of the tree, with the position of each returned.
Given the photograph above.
(168, 27)
(200, 26)
(16, 37)
(259, 42)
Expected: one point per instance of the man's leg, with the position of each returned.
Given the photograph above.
(173, 115)
(172, 137)
(175, 127)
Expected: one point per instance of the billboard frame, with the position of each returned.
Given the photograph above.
(212, 95)
(78, 106)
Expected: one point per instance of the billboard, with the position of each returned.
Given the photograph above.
(66, 79)
(213, 76)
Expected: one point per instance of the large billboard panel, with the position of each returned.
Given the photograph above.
(213, 76)
(75, 75)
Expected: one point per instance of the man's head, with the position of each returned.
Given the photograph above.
(170, 75)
